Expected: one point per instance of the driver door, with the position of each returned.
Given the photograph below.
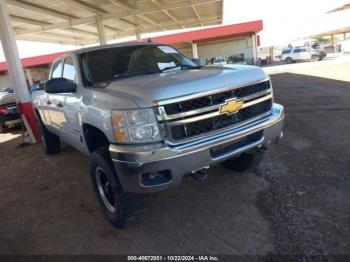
(54, 101)
(71, 127)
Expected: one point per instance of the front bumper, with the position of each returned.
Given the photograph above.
(132, 163)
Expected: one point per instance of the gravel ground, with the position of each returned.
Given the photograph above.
(295, 203)
(307, 199)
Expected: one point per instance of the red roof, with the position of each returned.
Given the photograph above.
(34, 61)
(215, 32)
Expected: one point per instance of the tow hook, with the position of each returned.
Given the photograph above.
(199, 174)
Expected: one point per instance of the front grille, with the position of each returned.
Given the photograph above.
(215, 99)
(189, 130)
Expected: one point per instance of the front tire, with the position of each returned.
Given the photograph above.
(109, 192)
(245, 161)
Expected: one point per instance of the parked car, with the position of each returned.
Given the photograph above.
(147, 115)
(302, 54)
(9, 115)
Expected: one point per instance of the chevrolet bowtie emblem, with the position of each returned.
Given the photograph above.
(231, 106)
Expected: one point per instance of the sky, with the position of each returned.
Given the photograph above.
(284, 20)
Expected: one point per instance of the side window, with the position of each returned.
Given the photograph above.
(56, 71)
(297, 50)
(68, 69)
(303, 50)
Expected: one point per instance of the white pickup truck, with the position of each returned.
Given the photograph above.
(147, 115)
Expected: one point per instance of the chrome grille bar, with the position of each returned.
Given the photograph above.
(217, 113)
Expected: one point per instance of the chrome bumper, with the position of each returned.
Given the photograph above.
(131, 162)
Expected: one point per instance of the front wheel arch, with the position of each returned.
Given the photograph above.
(94, 138)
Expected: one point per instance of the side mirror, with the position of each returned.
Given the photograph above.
(197, 61)
(60, 85)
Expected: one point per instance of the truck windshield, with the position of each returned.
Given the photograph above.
(118, 62)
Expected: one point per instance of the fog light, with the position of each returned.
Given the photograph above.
(156, 178)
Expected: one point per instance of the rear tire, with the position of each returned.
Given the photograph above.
(245, 161)
(50, 142)
(109, 193)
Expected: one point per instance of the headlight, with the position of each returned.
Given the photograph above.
(135, 126)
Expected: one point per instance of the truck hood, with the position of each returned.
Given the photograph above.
(145, 90)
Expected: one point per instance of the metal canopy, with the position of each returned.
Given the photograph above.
(333, 32)
(76, 21)
(344, 7)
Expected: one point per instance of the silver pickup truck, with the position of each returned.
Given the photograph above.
(147, 115)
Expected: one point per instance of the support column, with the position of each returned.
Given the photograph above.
(195, 50)
(344, 36)
(255, 49)
(29, 76)
(101, 31)
(16, 73)
(138, 36)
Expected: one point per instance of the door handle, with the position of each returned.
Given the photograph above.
(59, 105)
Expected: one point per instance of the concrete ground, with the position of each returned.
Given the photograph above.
(296, 202)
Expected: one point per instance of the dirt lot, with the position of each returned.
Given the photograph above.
(296, 202)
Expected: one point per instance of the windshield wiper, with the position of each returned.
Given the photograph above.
(169, 68)
(183, 66)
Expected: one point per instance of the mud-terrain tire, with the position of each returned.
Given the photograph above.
(110, 195)
(245, 161)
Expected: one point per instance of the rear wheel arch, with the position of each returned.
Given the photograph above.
(94, 138)
(50, 142)
(37, 114)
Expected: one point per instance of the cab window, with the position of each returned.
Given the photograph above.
(68, 69)
(56, 71)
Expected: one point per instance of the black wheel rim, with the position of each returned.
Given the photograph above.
(105, 189)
